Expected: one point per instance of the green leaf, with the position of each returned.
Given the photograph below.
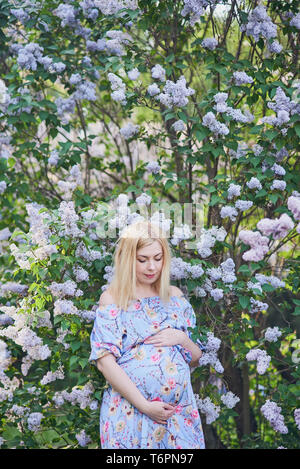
(244, 301)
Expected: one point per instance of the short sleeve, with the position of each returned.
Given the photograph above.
(106, 335)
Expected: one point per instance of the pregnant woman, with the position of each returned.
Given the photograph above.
(141, 344)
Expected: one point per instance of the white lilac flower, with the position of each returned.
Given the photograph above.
(230, 400)
(158, 72)
(260, 24)
(278, 169)
(34, 421)
(278, 228)
(143, 199)
(181, 233)
(228, 211)
(272, 280)
(195, 270)
(272, 412)
(293, 204)
(133, 74)
(233, 191)
(209, 43)
(82, 438)
(274, 47)
(253, 286)
(217, 294)
(178, 126)
(272, 334)
(257, 306)
(52, 376)
(118, 87)
(175, 93)
(297, 414)
(207, 407)
(3, 186)
(241, 78)
(243, 204)
(257, 242)
(54, 158)
(195, 8)
(210, 121)
(295, 21)
(200, 292)
(81, 274)
(153, 167)
(129, 130)
(254, 183)
(62, 307)
(263, 360)
(153, 89)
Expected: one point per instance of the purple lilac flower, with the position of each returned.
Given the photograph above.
(293, 204)
(278, 228)
(260, 24)
(257, 242)
(209, 43)
(272, 412)
(241, 78)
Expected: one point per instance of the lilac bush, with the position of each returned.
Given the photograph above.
(108, 108)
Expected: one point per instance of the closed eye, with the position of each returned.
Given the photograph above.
(145, 261)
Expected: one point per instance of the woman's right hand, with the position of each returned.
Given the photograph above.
(159, 411)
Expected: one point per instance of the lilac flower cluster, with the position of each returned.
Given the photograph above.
(118, 87)
(293, 204)
(257, 306)
(85, 89)
(234, 190)
(82, 397)
(194, 8)
(263, 359)
(297, 414)
(284, 108)
(158, 72)
(133, 74)
(230, 400)
(278, 184)
(51, 376)
(210, 121)
(272, 334)
(153, 167)
(241, 78)
(112, 7)
(180, 233)
(143, 199)
(207, 407)
(272, 412)
(129, 130)
(175, 93)
(208, 239)
(260, 24)
(178, 126)
(271, 280)
(209, 43)
(209, 357)
(153, 89)
(229, 211)
(257, 242)
(236, 114)
(295, 21)
(34, 421)
(68, 288)
(82, 438)
(254, 183)
(54, 158)
(278, 228)
(68, 185)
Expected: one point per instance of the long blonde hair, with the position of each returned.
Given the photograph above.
(134, 237)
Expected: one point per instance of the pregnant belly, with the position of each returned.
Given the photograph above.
(157, 371)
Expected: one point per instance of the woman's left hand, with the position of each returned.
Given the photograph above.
(166, 337)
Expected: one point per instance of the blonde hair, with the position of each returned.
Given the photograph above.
(133, 238)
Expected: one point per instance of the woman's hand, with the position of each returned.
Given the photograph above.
(166, 337)
(159, 411)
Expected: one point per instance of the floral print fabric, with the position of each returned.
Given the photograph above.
(160, 373)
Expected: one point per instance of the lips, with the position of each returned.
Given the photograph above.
(150, 276)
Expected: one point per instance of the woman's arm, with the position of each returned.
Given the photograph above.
(193, 348)
(121, 382)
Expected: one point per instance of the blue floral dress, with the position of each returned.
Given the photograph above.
(160, 373)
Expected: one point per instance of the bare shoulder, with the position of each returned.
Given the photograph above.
(175, 291)
(106, 298)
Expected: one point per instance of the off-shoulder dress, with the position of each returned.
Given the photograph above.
(159, 374)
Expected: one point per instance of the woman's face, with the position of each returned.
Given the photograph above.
(149, 260)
